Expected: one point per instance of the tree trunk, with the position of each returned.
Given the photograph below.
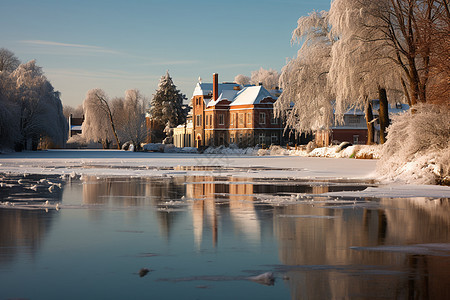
(383, 114)
(369, 121)
(114, 130)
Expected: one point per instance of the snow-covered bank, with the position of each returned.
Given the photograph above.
(125, 163)
(104, 163)
(418, 147)
(334, 151)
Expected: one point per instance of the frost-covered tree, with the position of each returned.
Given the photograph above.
(129, 114)
(242, 79)
(268, 78)
(40, 108)
(9, 115)
(75, 112)
(8, 61)
(166, 107)
(98, 125)
(361, 68)
(306, 101)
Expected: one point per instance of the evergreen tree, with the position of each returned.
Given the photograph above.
(166, 108)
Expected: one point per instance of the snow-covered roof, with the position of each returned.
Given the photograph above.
(392, 109)
(251, 95)
(226, 94)
(204, 89)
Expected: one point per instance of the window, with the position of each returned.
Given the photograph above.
(199, 120)
(232, 119)
(273, 120)
(232, 138)
(241, 119)
(274, 138)
(249, 118)
(221, 119)
(206, 120)
(240, 138)
(262, 138)
(355, 139)
(211, 120)
(262, 118)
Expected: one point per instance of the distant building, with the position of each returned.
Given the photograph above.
(354, 127)
(74, 125)
(183, 135)
(228, 113)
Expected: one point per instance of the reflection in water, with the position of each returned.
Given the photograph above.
(327, 248)
(135, 192)
(329, 242)
(22, 230)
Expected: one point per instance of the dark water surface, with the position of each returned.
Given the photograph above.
(206, 237)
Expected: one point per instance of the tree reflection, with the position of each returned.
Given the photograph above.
(24, 226)
(344, 272)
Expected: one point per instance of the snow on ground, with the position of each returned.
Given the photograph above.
(141, 164)
(125, 163)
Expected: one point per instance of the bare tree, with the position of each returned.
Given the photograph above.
(129, 114)
(8, 61)
(406, 26)
(306, 101)
(438, 43)
(268, 78)
(361, 67)
(75, 112)
(99, 122)
(242, 79)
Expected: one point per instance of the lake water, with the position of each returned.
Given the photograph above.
(207, 237)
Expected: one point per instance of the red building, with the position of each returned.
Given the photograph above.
(354, 128)
(228, 113)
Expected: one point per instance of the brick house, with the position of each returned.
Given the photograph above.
(228, 113)
(354, 127)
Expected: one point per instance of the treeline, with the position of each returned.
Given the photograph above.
(122, 120)
(31, 112)
(359, 50)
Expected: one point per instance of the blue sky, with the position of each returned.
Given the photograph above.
(120, 45)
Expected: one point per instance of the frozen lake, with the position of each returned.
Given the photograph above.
(206, 236)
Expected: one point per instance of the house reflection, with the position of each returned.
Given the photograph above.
(326, 267)
(135, 192)
(211, 194)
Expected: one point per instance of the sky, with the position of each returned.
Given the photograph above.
(119, 45)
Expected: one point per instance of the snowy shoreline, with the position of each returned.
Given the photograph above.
(112, 163)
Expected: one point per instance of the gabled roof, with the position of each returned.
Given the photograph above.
(204, 89)
(225, 95)
(251, 95)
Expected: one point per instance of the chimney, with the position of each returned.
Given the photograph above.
(215, 86)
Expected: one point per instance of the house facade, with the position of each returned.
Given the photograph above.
(354, 127)
(228, 113)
